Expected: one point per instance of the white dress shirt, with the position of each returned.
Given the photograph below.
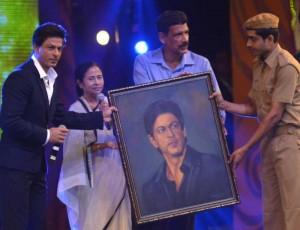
(49, 79)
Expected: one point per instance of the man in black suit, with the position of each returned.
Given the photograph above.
(29, 116)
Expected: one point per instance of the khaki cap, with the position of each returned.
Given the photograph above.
(262, 21)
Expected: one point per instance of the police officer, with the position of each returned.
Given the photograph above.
(275, 99)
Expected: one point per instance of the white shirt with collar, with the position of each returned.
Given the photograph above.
(49, 79)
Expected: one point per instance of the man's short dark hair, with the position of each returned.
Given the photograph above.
(161, 107)
(170, 18)
(48, 30)
(264, 33)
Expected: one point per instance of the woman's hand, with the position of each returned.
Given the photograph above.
(107, 113)
(112, 145)
(100, 146)
(103, 105)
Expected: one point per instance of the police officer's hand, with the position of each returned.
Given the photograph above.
(220, 99)
(237, 156)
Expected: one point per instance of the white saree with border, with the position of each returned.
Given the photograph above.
(92, 199)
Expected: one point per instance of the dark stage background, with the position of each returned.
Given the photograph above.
(215, 32)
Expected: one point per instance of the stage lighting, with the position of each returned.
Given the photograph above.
(102, 37)
(141, 47)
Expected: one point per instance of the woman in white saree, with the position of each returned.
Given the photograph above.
(92, 183)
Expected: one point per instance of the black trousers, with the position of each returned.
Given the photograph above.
(22, 200)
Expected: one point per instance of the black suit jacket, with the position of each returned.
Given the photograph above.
(26, 115)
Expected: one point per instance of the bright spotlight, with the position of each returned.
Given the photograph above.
(102, 37)
(141, 47)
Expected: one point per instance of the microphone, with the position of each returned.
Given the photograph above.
(55, 149)
(101, 97)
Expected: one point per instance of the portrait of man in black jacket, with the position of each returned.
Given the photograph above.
(187, 177)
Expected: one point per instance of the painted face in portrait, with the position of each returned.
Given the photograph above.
(49, 53)
(177, 39)
(168, 135)
(92, 83)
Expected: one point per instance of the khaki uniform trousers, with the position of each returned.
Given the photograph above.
(280, 172)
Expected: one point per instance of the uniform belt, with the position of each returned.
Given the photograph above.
(285, 129)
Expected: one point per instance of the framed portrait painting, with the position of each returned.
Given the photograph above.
(173, 147)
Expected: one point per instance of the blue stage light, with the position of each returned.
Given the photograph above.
(141, 47)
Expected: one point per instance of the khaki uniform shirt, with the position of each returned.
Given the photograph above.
(277, 79)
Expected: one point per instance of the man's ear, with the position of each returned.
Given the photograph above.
(270, 38)
(35, 48)
(152, 141)
(162, 37)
